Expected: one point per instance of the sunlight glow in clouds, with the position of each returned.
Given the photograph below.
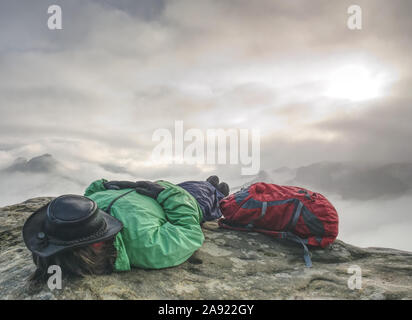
(356, 83)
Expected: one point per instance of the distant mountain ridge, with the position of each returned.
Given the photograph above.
(40, 175)
(355, 181)
(40, 164)
(350, 180)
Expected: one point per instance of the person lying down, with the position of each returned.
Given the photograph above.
(118, 225)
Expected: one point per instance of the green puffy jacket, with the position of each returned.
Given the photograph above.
(157, 233)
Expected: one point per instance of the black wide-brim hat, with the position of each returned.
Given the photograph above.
(69, 221)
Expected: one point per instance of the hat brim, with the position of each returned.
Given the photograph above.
(35, 224)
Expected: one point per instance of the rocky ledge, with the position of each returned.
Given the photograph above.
(230, 265)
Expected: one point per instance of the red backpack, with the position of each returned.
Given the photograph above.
(284, 212)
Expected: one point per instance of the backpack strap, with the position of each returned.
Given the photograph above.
(262, 214)
(306, 254)
(109, 207)
(276, 234)
(295, 217)
(307, 195)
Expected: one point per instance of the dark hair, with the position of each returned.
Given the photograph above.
(81, 261)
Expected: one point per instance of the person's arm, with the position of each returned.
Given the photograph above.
(180, 207)
(176, 240)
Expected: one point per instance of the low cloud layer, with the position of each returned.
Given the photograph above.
(357, 181)
(93, 93)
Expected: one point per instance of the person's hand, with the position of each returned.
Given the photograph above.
(148, 188)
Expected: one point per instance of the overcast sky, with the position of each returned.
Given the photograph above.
(93, 93)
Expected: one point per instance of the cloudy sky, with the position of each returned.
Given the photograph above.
(93, 93)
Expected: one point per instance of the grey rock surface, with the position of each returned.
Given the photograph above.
(230, 265)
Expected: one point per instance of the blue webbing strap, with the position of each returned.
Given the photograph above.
(307, 195)
(295, 216)
(262, 214)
